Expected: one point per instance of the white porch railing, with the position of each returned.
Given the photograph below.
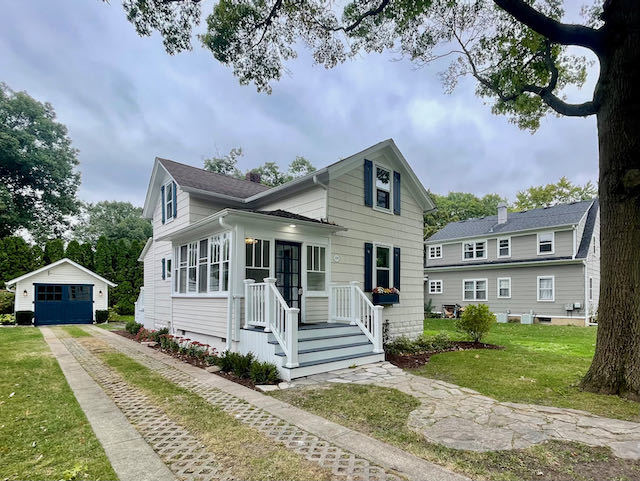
(265, 307)
(349, 303)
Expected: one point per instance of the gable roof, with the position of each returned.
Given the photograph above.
(545, 217)
(187, 176)
(239, 193)
(57, 263)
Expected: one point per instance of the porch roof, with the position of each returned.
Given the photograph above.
(234, 215)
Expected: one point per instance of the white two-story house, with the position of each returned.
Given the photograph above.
(541, 265)
(287, 272)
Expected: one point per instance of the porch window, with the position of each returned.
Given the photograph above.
(475, 289)
(192, 271)
(257, 259)
(219, 266)
(203, 261)
(182, 286)
(475, 250)
(383, 188)
(316, 268)
(383, 266)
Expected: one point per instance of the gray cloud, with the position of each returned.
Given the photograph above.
(125, 101)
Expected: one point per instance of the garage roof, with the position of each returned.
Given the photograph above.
(57, 263)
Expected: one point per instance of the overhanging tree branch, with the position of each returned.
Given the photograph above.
(556, 32)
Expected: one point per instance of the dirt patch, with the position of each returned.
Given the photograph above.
(411, 361)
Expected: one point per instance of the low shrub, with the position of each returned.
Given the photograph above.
(24, 318)
(169, 343)
(143, 335)
(102, 315)
(238, 364)
(476, 321)
(263, 373)
(156, 335)
(132, 327)
(404, 345)
(7, 299)
(401, 345)
(7, 319)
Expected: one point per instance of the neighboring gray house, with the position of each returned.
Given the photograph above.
(288, 272)
(540, 265)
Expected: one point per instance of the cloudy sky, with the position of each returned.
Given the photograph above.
(126, 101)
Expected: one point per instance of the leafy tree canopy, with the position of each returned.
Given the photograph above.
(270, 173)
(38, 176)
(15, 258)
(53, 251)
(561, 192)
(113, 220)
(456, 206)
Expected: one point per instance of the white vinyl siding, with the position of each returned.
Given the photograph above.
(546, 288)
(474, 289)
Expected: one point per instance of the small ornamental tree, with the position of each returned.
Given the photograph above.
(476, 321)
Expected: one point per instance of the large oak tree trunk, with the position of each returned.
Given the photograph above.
(616, 364)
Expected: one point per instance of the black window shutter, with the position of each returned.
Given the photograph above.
(368, 183)
(368, 266)
(396, 192)
(175, 201)
(162, 202)
(164, 275)
(396, 267)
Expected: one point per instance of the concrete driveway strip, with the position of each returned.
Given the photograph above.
(376, 451)
(131, 457)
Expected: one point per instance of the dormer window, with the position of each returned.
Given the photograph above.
(383, 188)
(474, 250)
(168, 196)
(546, 243)
(435, 252)
(504, 247)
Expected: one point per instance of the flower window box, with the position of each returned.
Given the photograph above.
(382, 296)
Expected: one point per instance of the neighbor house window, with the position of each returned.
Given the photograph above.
(504, 247)
(383, 266)
(504, 287)
(316, 268)
(435, 287)
(475, 289)
(257, 259)
(591, 288)
(435, 252)
(168, 200)
(546, 288)
(545, 243)
(474, 250)
(383, 188)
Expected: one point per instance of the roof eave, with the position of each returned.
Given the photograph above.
(491, 235)
(503, 265)
(55, 264)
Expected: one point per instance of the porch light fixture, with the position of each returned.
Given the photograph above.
(250, 240)
(292, 225)
(25, 293)
(100, 292)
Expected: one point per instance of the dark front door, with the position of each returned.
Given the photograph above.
(288, 277)
(63, 304)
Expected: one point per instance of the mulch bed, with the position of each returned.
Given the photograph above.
(195, 362)
(412, 361)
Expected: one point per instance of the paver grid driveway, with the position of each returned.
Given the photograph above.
(342, 463)
(462, 418)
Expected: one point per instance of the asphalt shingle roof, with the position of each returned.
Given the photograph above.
(188, 176)
(289, 215)
(564, 214)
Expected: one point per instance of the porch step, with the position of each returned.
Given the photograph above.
(322, 354)
(320, 329)
(309, 368)
(326, 340)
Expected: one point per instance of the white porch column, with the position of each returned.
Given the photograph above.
(353, 302)
(377, 326)
(291, 336)
(268, 302)
(248, 302)
(331, 303)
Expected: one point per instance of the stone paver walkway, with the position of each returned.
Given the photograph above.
(129, 454)
(462, 418)
(349, 455)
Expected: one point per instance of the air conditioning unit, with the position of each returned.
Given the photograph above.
(577, 305)
(527, 318)
(568, 307)
(502, 317)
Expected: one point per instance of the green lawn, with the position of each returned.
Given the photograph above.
(541, 365)
(112, 325)
(43, 431)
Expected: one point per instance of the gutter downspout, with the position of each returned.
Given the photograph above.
(232, 266)
(324, 187)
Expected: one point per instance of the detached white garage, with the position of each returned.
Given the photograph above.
(63, 292)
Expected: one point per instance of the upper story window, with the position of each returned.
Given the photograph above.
(546, 241)
(593, 241)
(383, 266)
(168, 200)
(435, 252)
(316, 268)
(383, 188)
(257, 259)
(504, 247)
(474, 250)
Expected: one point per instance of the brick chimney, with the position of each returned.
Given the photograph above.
(253, 177)
(502, 213)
